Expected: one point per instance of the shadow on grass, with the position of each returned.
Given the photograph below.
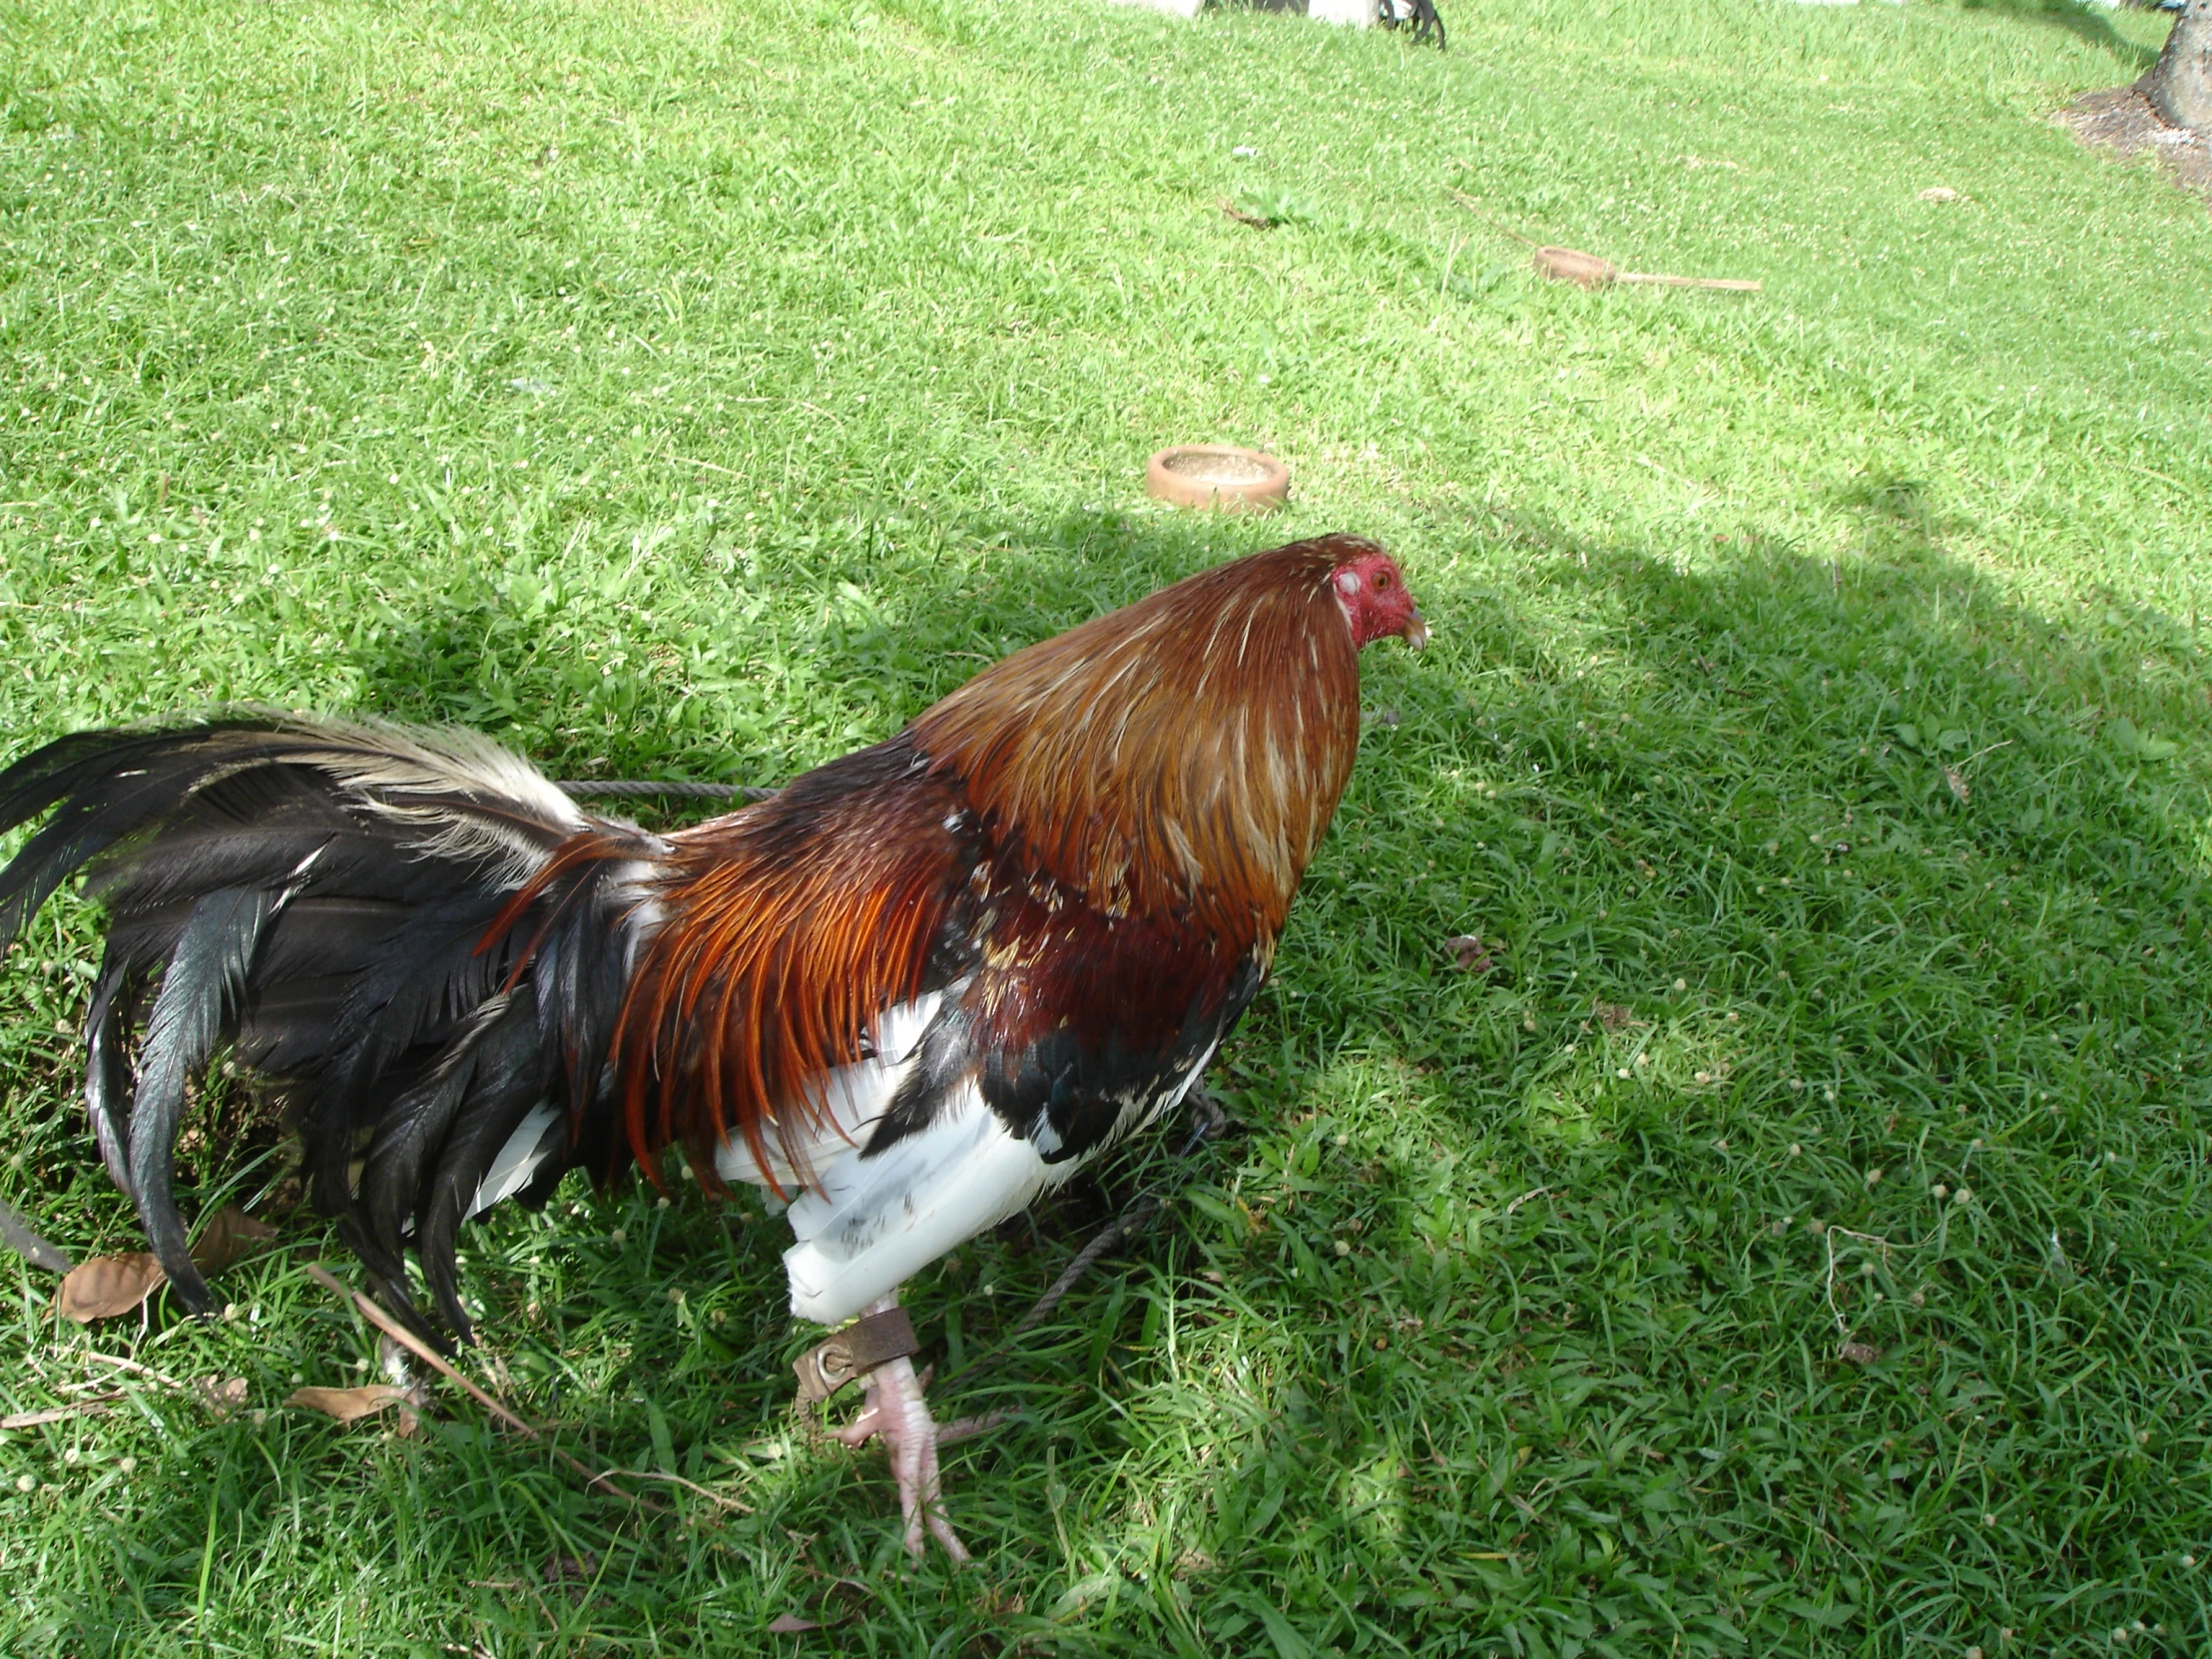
(2084, 22)
(1823, 892)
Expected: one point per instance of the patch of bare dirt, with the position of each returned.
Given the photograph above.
(2120, 119)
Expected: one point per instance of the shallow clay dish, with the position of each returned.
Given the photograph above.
(1218, 475)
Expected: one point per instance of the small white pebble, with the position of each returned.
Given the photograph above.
(1796, 1083)
(1342, 1140)
(1988, 1520)
(2142, 1436)
(1621, 1072)
(71, 1455)
(1643, 1059)
(1682, 984)
(1795, 1150)
(231, 1309)
(1974, 1653)
(1874, 1178)
(2188, 1560)
(297, 1379)
(26, 1482)
(674, 1293)
(1342, 1249)
(257, 1419)
(661, 1203)
(717, 1316)
(1939, 1190)
(1702, 1076)
(1964, 1196)
(127, 1465)
(1731, 1013)
(618, 1236)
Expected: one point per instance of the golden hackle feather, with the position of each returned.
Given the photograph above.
(1177, 758)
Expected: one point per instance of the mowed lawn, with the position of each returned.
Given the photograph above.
(1793, 1240)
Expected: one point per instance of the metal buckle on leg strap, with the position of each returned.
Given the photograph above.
(852, 1353)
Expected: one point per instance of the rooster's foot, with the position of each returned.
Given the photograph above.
(898, 1416)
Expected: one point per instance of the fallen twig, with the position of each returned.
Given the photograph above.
(55, 1413)
(438, 1362)
(163, 1377)
(693, 1485)
(1587, 271)
(1475, 206)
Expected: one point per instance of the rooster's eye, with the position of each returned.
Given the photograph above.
(1381, 580)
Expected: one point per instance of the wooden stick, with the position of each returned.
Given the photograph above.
(695, 1486)
(1731, 284)
(163, 1377)
(1475, 206)
(55, 1413)
(438, 1362)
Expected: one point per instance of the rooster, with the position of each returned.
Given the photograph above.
(907, 994)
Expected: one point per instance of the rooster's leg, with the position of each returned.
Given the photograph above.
(1208, 1119)
(898, 1416)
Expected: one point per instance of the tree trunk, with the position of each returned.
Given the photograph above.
(2179, 85)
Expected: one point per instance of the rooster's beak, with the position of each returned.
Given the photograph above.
(1416, 633)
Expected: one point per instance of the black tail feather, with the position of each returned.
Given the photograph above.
(322, 899)
(198, 988)
(105, 1073)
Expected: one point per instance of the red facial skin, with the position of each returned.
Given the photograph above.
(1372, 590)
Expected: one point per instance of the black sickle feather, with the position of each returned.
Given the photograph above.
(197, 988)
(104, 1076)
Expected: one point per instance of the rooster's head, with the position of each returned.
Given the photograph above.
(1372, 590)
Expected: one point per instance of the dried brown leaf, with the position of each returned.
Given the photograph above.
(1613, 1016)
(1859, 1354)
(1959, 788)
(107, 1285)
(350, 1404)
(785, 1624)
(561, 1568)
(1469, 952)
(229, 1235)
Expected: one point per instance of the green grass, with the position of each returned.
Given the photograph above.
(702, 391)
